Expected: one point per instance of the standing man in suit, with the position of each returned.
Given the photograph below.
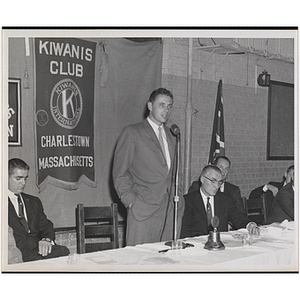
(224, 164)
(143, 172)
(271, 188)
(33, 232)
(207, 202)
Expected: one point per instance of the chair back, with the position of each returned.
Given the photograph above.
(97, 228)
(256, 209)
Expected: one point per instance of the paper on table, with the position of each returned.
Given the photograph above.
(288, 224)
(278, 229)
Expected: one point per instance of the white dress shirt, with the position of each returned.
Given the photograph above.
(211, 201)
(14, 200)
(222, 187)
(155, 128)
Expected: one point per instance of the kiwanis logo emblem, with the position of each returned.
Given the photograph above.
(66, 103)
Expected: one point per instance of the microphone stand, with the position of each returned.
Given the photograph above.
(175, 244)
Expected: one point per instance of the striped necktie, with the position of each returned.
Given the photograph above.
(21, 213)
(161, 142)
(208, 212)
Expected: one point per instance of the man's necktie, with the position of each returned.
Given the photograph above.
(21, 213)
(208, 212)
(161, 141)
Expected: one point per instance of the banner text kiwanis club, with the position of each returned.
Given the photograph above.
(64, 111)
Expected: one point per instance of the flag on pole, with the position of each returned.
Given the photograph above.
(217, 146)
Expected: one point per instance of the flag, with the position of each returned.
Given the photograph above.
(217, 146)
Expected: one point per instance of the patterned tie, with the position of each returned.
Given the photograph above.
(21, 213)
(161, 141)
(208, 212)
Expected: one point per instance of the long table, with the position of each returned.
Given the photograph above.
(275, 250)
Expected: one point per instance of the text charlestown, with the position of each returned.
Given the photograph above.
(65, 111)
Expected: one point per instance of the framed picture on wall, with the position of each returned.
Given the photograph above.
(14, 112)
(280, 144)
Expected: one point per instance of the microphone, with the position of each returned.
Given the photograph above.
(175, 129)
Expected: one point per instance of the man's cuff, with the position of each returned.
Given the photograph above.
(250, 224)
(48, 240)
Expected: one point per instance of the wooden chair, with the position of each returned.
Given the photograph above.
(256, 209)
(97, 228)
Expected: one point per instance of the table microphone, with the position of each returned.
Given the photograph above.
(214, 241)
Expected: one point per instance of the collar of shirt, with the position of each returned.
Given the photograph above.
(155, 128)
(222, 187)
(14, 200)
(211, 201)
(284, 183)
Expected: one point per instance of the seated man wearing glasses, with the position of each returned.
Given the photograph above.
(208, 201)
(224, 164)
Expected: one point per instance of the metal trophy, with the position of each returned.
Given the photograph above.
(214, 241)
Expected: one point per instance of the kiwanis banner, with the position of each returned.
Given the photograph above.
(64, 112)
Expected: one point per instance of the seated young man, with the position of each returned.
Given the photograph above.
(33, 232)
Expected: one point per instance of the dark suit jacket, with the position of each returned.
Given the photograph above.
(258, 192)
(229, 188)
(194, 221)
(144, 183)
(283, 205)
(40, 227)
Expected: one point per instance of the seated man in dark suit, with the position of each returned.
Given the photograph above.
(33, 232)
(224, 164)
(206, 202)
(271, 188)
(283, 205)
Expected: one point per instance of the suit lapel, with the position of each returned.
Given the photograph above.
(11, 209)
(152, 135)
(226, 188)
(28, 207)
(199, 205)
(218, 205)
(13, 218)
(171, 145)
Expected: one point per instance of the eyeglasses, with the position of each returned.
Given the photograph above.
(214, 181)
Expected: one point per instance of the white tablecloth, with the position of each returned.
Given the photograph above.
(275, 250)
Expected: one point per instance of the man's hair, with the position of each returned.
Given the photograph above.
(17, 163)
(287, 171)
(159, 91)
(221, 157)
(210, 167)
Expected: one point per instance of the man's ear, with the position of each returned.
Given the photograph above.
(201, 179)
(149, 105)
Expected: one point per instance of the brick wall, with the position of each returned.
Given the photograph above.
(245, 109)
